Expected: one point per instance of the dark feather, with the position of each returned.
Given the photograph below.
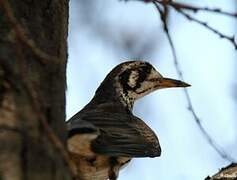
(120, 133)
(80, 127)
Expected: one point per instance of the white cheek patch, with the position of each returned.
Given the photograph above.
(145, 88)
(132, 81)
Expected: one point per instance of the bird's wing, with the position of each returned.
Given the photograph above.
(119, 134)
(79, 126)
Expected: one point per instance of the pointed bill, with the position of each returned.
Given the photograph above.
(168, 83)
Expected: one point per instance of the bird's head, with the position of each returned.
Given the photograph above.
(135, 79)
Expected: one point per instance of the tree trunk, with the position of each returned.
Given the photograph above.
(33, 53)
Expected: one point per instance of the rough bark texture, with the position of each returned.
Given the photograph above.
(31, 90)
(227, 173)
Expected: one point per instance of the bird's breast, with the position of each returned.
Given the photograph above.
(81, 144)
(93, 168)
(98, 167)
(90, 165)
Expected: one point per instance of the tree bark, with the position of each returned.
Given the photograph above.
(227, 173)
(33, 53)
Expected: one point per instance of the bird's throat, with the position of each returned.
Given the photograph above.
(127, 101)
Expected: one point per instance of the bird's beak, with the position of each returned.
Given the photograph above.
(168, 83)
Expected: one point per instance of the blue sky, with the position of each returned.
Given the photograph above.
(207, 62)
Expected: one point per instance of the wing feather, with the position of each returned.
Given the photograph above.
(119, 134)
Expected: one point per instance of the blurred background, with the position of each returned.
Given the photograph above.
(104, 33)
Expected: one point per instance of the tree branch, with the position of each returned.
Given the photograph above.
(231, 39)
(226, 173)
(195, 9)
(207, 136)
(181, 7)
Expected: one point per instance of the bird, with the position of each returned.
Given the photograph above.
(105, 135)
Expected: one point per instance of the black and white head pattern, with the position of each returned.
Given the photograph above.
(135, 80)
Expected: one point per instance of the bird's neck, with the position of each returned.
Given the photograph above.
(126, 100)
(114, 94)
(118, 101)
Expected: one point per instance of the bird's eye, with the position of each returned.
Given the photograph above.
(147, 70)
(142, 75)
(143, 72)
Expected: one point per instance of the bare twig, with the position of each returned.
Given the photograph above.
(188, 7)
(44, 58)
(182, 7)
(210, 140)
(215, 31)
(195, 9)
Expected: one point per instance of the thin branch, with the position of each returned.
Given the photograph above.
(181, 7)
(43, 57)
(195, 9)
(210, 140)
(231, 39)
(188, 7)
